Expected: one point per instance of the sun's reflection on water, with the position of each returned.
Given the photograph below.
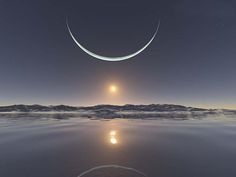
(113, 140)
(113, 137)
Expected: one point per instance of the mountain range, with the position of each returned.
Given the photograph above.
(115, 111)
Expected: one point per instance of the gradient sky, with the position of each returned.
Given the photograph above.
(192, 61)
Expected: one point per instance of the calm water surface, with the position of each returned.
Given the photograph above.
(158, 148)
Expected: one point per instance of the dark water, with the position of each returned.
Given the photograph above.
(158, 148)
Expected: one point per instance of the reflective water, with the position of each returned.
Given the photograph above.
(157, 148)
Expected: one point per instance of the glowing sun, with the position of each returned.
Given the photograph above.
(113, 88)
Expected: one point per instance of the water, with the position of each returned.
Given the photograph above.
(158, 148)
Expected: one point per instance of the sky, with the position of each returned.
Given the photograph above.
(192, 60)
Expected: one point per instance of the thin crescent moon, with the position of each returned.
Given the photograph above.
(112, 166)
(112, 58)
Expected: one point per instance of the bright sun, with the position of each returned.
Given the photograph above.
(113, 88)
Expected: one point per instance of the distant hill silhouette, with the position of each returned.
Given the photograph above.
(115, 111)
(127, 107)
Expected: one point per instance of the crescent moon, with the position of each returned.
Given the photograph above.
(112, 58)
(112, 166)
